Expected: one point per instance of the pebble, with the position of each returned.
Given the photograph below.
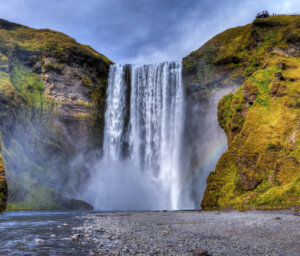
(200, 252)
(38, 240)
(75, 237)
(66, 239)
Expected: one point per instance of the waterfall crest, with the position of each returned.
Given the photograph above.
(143, 135)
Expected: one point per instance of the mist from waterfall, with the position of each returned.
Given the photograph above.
(141, 164)
(204, 143)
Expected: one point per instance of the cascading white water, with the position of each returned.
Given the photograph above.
(143, 133)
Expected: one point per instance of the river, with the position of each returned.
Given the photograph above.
(40, 233)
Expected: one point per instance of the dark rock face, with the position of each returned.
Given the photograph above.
(3, 187)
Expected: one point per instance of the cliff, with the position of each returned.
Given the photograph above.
(3, 187)
(261, 119)
(52, 100)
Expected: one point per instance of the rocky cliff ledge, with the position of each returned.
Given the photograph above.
(3, 187)
(261, 167)
(52, 100)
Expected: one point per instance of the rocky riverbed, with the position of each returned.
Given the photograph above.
(150, 233)
(191, 233)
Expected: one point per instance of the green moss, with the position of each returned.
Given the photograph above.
(261, 168)
(53, 67)
(87, 81)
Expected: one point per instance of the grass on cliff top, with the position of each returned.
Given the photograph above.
(242, 49)
(42, 40)
(263, 34)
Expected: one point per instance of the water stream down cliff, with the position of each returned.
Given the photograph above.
(144, 120)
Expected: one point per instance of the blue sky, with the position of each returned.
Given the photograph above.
(141, 31)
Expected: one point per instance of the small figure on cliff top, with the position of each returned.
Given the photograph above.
(263, 14)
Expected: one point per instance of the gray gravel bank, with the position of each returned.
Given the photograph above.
(192, 233)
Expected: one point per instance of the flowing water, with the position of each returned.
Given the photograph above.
(140, 168)
(40, 233)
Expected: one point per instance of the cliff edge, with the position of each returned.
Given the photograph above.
(261, 119)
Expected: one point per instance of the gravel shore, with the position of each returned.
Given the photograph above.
(192, 233)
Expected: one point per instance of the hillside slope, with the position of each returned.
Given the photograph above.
(52, 100)
(261, 119)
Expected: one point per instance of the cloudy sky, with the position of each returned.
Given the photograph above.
(141, 31)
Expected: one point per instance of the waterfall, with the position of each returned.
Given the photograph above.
(144, 120)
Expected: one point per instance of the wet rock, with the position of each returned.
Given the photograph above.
(74, 204)
(75, 237)
(200, 251)
(3, 187)
(38, 240)
(99, 230)
(67, 239)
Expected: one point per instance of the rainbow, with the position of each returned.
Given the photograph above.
(213, 154)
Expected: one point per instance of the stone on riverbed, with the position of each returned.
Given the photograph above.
(38, 240)
(200, 251)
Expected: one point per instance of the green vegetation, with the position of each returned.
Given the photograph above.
(86, 81)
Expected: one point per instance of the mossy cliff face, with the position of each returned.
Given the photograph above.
(261, 167)
(3, 187)
(52, 100)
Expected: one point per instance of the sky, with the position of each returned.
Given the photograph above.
(141, 31)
